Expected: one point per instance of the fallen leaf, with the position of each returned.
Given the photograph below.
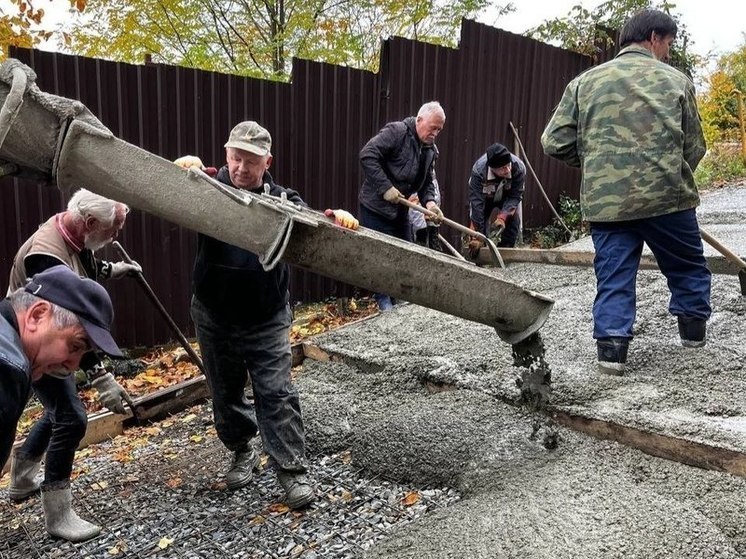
(258, 519)
(165, 542)
(174, 482)
(188, 418)
(278, 508)
(100, 485)
(410, 498)
(196, 438)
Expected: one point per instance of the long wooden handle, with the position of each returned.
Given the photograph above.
(445, 220)
(722, 249)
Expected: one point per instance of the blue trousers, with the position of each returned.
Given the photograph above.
(399, 228)
(60, 430)
(234, 352)
(677, 246)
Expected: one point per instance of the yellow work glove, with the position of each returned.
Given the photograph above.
(343, 219)
(433, 207)
(188, 161)
(392, 195)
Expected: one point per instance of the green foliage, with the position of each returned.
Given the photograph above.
(588, 31)
(723, 164)
(260, 37)
(719, 104)
(22, 24)
(555, 234)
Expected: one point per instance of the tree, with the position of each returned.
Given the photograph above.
(585, 31)
(719, 103)
(21, 24)
(259, 37)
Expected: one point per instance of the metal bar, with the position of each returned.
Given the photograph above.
(164, 313)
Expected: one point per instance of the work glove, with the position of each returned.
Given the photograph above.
(474, 246)
(499, 222)
(187, 161)
(111, 394)
(433, 207)
(121, 269)
(343, 219)
(392, 195)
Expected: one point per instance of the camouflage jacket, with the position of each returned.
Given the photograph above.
(632, 126)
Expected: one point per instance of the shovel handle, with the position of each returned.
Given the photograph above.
(493, 249)
(152, 296)
(445, 220)
(722, 249)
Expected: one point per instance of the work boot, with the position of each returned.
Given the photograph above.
(692, 331)
(384, 302)
(298, 490)
(59, 517)
(433, 238)
(242, 468)
(25, 479)
(612, 355)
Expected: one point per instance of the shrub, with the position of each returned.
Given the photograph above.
(723, 163)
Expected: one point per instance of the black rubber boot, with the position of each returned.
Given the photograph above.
(612, 355)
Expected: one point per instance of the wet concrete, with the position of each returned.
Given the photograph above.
(428, 398)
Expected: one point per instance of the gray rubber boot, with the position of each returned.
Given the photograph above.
(25, 479)
(61, 520)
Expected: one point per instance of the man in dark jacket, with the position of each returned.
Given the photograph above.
(242, 316)
(46, 327)
(497, 182)
(397, 162)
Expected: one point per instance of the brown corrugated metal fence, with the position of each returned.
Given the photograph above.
(319, 122)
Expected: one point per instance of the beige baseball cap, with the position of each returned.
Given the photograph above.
(251, 137)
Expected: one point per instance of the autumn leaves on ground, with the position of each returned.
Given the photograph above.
(163, 367)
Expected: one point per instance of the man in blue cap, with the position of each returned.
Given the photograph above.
(48, 326)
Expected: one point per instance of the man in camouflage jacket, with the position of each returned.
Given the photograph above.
(633, 128)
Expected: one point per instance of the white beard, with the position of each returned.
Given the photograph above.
(93, 244)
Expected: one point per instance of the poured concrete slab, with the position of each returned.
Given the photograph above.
(420, 396)
(425, 397)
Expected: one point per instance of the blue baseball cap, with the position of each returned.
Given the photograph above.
(83, 297)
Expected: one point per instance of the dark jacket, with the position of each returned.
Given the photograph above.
(510, 193)
(396, 157)
(231, 282)
(15, 379)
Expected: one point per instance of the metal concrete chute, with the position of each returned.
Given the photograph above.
(58, 140)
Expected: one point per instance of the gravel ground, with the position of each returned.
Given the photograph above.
(158, 492)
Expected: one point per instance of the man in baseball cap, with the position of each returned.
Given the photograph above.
(83, 297)
(242, 317)
(48, 326)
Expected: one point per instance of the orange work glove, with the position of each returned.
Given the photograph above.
(474, 246)
(499, 222)
(343, 219)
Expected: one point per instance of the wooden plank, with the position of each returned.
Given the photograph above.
(692, 453)
(716, 264)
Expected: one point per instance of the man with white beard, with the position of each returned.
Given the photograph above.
(71, 237)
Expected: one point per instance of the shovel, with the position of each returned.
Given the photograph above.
(729, 255)
(152, 296)
(493, 249)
